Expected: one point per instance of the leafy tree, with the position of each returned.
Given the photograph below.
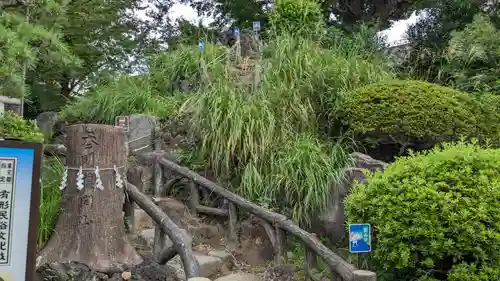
(104, 35)
(345, 12)
(429, 37)
(473, 56)
(29, 43)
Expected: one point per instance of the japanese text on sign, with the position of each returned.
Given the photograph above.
(7, 188)
(360, 238)
(122, 122)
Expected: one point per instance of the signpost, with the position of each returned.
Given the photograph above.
(360, 238)
(20, 165)
(256, 26)
(122, 122)
(201, 45)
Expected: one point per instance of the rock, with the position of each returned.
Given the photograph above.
(255, 247)
(142, 219)
(46, 121)
(331, 222)
(209, 266)
(240, 276)
(61, 271)
(285, 272)
(151, 271)
(59, 132)
(198, 279)
(149, 236)
(126, 275)
(139, 134)
(146, 271)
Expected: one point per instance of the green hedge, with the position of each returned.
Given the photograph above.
(409, 112)
(432, 211)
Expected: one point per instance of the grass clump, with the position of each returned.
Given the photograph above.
(183, 63)
(125, 96)
(298, 177)
(50, 202)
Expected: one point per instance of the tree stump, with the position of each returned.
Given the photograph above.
(90, 229)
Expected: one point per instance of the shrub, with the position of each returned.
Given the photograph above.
(15, 127)
(431, 211)
(490, 112)
(473, 273)
(410, 112)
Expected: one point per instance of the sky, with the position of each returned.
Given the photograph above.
(394, 34)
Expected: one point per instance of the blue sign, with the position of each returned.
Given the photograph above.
(20, 167)
(202, 47)
(360, 238)
(236, 31)
(256, 26)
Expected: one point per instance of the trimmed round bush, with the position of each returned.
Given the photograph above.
(410, 112)
(432, 211)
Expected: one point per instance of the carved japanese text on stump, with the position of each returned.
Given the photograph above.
(90, 228)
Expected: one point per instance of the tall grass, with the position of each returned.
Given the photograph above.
(50, 202)
(268, 139)
(127, 95)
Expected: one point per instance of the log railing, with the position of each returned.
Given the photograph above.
(181, 241)
(276, 225)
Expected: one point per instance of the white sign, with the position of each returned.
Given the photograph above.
(122, 122)
(20, 166)
(256, 26)
(7, 190)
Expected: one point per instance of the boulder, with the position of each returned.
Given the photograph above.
(46, 121)
(255, 247)
(331, 222)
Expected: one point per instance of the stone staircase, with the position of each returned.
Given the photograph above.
(217, 260)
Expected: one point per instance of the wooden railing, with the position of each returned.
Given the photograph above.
(275, 225)
(181, 241)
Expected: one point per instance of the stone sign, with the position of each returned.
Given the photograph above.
(140, 133)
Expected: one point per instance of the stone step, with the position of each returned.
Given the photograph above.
(210, 264)
(240, 276)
